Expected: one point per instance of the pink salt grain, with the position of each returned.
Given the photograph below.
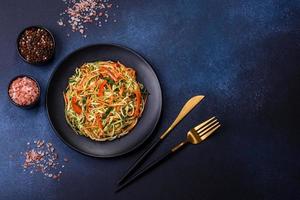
(41, 157)
(78, 14)
(24, 91)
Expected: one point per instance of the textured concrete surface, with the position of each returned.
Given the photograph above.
(243, 55)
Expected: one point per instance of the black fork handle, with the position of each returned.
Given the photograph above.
(140, 160)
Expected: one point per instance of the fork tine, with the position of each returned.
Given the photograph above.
(206, 126)
(210, 131)
(203, 123)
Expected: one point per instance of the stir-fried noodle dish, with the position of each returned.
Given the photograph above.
(103, 100)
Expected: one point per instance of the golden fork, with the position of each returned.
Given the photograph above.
(188, 107)
(194, 136)
(199, 133)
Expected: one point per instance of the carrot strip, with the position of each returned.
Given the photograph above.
(138, 102)
(99, 123)
(121, 91)
(101, 88)
(76, 108)
(88, 103)
(115, 71)
(111, 74)
(117, 108)
(111, 99)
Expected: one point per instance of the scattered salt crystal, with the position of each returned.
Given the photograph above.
(78, 13)
(41, 158)
(60, 22)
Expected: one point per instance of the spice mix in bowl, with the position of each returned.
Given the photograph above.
(36, 45)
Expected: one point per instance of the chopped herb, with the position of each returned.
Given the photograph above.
(83, 100)
(144, 91)
(107, 112)
(109, 81)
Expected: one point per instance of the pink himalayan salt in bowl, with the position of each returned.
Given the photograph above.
(24, 91)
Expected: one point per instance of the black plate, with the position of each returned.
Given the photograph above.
(58, 83)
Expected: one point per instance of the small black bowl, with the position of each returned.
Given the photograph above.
(53, 50)
(33, 103)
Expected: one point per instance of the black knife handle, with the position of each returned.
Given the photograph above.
(139, 160)
(147, 168)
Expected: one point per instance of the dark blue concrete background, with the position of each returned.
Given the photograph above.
(243, 55)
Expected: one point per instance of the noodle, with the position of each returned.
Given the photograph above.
(103, 100)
